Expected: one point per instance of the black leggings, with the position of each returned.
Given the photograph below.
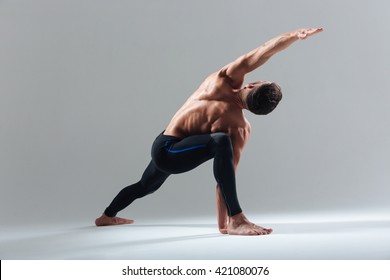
(171, 155)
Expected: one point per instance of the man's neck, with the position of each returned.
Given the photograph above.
(241, 99)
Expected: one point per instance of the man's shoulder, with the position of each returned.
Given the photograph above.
(234, 84)
(215, 88)
(219, 78)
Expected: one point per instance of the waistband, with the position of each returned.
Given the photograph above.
(163, 136)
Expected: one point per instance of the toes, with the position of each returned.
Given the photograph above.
(263, 231)
(254, 232)
(119, 221)
(223, 230)
(257, 231)
(248, 229)
(266, 231)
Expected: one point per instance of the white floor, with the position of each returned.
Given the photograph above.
(318, 236)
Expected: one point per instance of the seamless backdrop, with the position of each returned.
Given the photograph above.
(86, 86)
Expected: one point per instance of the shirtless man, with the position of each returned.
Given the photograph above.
(211, 124)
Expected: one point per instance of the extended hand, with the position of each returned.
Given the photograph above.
(307, 32)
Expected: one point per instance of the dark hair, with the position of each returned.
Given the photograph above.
(263, 99)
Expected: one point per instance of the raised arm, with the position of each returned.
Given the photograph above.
(257, 57)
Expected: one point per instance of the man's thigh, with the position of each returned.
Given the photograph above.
(186, 154)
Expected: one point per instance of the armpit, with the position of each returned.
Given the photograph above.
(235, 83)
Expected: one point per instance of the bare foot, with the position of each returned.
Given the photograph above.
(240, 225)
(222, 224)
(104, 220)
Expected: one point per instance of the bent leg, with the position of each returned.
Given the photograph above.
(225, 175)
(182, 155)
(224, 171)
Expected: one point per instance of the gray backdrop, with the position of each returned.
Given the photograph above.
(87, 85)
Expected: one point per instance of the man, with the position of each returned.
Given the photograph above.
(211, 124)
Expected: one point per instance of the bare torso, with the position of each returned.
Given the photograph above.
(217, 106)
(214, 107)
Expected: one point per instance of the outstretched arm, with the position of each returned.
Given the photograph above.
(257, 57)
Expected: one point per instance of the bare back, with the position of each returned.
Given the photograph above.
(213, 107)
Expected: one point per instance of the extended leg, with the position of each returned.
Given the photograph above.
(151, 180)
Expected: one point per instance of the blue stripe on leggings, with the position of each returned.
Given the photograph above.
(186, 149)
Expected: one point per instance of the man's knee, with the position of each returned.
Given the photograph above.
(222, 140)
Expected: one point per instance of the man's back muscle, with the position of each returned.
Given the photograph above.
(213, 107)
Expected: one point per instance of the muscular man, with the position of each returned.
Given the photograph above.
(211, 124)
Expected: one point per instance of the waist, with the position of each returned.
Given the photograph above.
(163, 136)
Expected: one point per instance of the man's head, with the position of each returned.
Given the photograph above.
(262, 97)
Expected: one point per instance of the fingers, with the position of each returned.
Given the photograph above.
(315, 30)
(306, 32)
